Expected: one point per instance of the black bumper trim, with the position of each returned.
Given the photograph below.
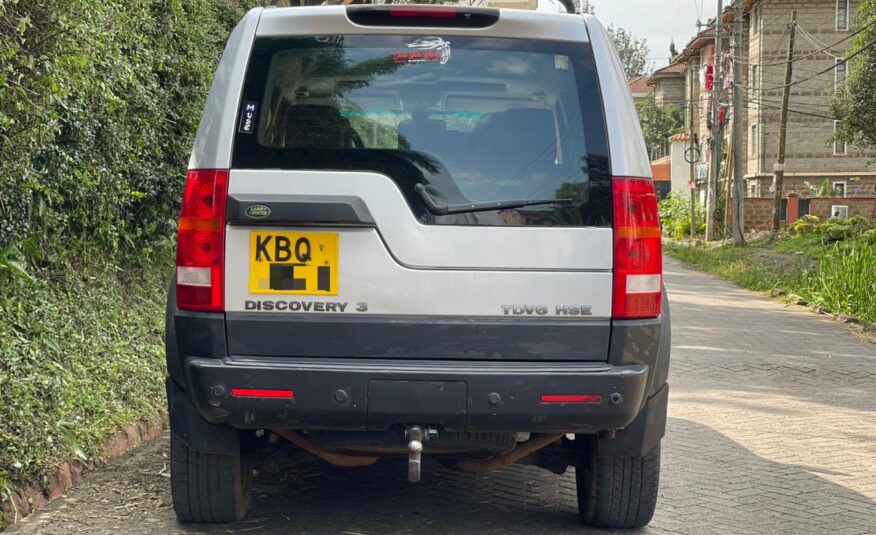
(417, 337)
(336, 394)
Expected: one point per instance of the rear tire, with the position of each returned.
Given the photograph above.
(207, 487)
(619, 492)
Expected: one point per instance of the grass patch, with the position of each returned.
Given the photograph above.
(81, 354)
(840, 276)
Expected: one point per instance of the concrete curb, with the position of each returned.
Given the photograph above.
(31, 496)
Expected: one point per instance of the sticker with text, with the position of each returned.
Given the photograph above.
(247, 118)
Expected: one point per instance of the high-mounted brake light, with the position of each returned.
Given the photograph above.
(423, 16)
(201, 241)
(638, 258)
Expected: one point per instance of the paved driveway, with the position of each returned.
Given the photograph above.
(772, 429)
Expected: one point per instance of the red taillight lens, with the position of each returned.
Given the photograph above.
(638, 260)
(201, 241)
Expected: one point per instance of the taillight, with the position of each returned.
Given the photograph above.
(638, 260)
(201, 241)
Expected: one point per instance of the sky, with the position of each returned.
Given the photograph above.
(658, 21)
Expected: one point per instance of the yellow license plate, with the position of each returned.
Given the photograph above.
(293, 263)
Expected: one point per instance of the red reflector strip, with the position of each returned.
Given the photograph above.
(262, 393)
(571, 398)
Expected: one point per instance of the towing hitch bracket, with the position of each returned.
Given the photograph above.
(416, 435)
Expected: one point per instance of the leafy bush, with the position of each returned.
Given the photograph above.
(869, 237)
(99, 101)
(81, 354)
(805, 225)
(675, 215)
(834, 230)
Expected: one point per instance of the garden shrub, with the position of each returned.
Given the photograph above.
(805, 225)
(675, 215)
(99, 102)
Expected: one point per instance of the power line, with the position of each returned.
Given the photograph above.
(819, 73)
(799, 112)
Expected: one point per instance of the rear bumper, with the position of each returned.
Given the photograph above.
(374, 394)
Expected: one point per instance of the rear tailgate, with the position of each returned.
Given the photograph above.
(331, 253)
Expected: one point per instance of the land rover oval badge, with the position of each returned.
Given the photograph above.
(258, 211)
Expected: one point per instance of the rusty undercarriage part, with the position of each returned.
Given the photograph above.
(526, 448)
(334, 458)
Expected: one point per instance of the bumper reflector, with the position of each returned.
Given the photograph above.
(571, 398)
(262, 393)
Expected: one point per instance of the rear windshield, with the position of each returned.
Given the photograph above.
(473, 119)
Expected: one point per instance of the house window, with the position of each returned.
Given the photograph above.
(752, 78)
(753, 139)
(839, 146)
(839, 186)
(842, 15)
(840, 72)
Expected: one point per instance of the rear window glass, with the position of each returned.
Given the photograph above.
(473, 119)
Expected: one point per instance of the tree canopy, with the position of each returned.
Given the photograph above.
(632, 50)
(658, 121)
(855, 101)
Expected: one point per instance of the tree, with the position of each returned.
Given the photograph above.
(658, 121)
(585, 7)
(854, 103)
(633, 51)
(673, 52)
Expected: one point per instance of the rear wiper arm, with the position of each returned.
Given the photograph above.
(447, 209)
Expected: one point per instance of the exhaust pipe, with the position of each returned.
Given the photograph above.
(336, 459)
(521, 451)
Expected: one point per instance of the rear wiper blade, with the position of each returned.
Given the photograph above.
(447, 209)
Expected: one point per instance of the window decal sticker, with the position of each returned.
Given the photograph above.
(247, 117)
(426, 49)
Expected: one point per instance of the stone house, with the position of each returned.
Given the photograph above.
(822, 41)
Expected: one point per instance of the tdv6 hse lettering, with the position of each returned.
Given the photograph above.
(419, 232)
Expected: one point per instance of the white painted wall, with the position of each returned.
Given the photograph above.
(679, 170)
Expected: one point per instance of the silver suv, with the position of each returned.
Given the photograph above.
(425, 232)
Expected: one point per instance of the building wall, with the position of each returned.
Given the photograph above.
(808, 147)
(855, 186)
(669, 90)
(862, 207)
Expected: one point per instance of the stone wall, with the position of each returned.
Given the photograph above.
(758, 213)
(759, 210)
(860, 206)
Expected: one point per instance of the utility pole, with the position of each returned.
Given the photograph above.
(738, 188)
(712, 190)
(692, 159)
(779, 167)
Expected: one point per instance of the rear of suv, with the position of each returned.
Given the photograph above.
(423, 232)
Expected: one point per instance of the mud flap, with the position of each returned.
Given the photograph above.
(644, 433)
(195, 432)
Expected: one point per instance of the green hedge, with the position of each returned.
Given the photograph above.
(98, 104)
(99, 101)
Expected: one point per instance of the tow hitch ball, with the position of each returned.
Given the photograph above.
(416, 435)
